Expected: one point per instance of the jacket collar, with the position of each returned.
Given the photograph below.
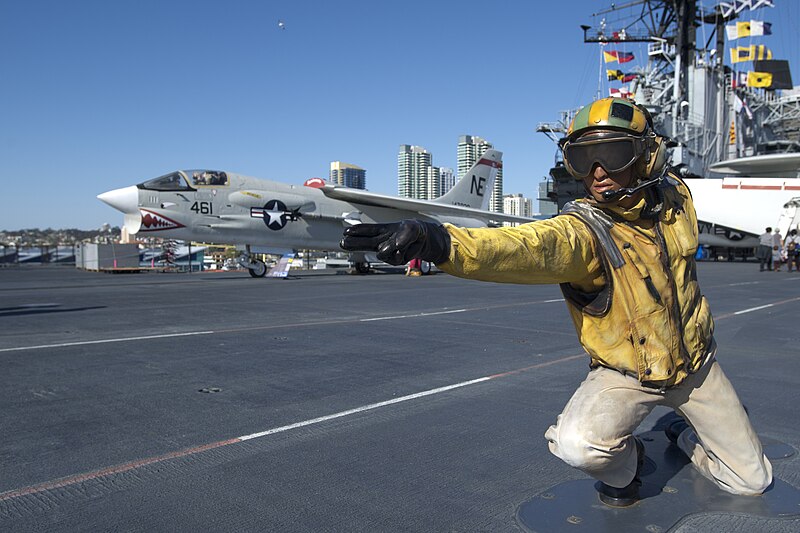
(649, 206)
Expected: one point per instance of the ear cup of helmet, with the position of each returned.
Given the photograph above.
(653, 160)
(658, 158)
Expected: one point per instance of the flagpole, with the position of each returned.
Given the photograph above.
(600, 74)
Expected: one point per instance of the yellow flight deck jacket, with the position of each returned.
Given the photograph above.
(628, 276)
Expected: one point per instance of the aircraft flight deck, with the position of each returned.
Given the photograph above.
(324, 402)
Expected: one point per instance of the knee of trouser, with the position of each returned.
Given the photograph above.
(576, 451)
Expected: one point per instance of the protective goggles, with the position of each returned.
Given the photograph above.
(614, 152)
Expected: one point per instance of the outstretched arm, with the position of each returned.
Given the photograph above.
(556, 250)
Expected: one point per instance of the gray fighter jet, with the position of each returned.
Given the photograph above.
(226, 208)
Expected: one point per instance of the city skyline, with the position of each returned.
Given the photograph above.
(418, 177)
(102, 95)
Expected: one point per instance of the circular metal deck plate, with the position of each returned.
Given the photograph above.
(671, 490)
(776, 450)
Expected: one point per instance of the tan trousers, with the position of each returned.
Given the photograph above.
(594, 432)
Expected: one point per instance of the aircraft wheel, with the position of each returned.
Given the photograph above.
(362, 268)
(259, 269)
(425, 266)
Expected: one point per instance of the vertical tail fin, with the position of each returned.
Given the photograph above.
(475, 188)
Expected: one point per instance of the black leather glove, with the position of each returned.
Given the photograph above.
(399, 242)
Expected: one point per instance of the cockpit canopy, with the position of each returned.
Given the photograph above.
(201, 178)
(186, 180)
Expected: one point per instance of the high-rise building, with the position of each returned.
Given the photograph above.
(447, 180)
(433, 187)
(348, 175)
(516, 204)
(470, 149)
(547, 206)
(416, 175)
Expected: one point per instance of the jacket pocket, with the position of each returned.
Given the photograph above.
(654, 344)
(685, 231)
(644, 274)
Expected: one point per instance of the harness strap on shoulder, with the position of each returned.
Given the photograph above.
(600, 224)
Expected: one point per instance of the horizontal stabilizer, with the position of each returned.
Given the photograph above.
(424, 207)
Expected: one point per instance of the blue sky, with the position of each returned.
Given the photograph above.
(101, 94)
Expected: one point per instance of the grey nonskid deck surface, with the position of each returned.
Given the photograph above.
(328, 402)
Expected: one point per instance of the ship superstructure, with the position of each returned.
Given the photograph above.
(710, 82)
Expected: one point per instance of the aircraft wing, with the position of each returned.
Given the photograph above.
(423, 207)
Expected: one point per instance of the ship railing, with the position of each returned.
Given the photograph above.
(661, 48)
(622, 36)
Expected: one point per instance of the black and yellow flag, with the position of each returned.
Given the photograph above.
(759, 79)
(779, 68)
(750, 53)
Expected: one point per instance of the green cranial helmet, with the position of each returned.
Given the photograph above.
(622, 136)
(618, 114)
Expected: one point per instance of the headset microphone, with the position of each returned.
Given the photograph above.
(627, 191)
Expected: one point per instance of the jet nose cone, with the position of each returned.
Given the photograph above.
(125, 199)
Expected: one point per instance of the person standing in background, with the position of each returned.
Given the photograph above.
(764, 250)
(777, 250)
(792, 247)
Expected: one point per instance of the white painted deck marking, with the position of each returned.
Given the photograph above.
(134, 465)
(103, 341)
(743, 311)
(363, 408)
(416, 315)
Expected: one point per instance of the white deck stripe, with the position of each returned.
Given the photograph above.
(190, 333)
(103, 341)
(743, 311)
(362, 409)
(113, 470)
(412, 316)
